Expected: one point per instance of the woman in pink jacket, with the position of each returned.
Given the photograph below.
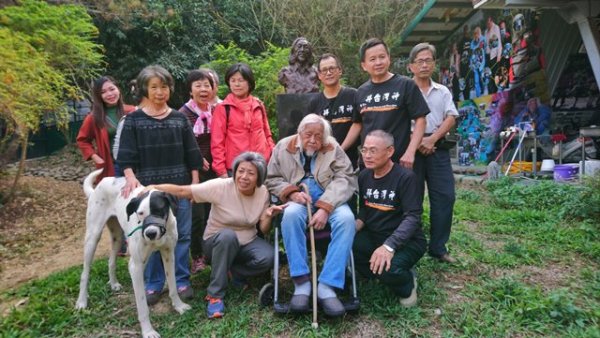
(239, 123)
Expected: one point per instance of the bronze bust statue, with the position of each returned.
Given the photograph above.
(300, 76)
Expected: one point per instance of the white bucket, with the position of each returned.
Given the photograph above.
(591, 167)
(547, 165)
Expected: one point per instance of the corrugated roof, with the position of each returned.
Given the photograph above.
(435, 23)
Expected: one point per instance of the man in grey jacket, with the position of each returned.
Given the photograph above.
(314, 158)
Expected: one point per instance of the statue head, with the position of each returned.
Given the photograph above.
(301, 52)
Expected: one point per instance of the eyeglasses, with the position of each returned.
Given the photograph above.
(372, 151)
(331, 70)
(421, 62)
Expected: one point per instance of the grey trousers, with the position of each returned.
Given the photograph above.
(225, 254)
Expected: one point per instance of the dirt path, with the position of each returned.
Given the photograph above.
(42, 230)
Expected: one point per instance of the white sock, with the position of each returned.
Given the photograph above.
(325, 291)
(302, 289)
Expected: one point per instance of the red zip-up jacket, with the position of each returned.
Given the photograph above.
(240, 133)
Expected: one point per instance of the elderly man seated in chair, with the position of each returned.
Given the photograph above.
(314, 158)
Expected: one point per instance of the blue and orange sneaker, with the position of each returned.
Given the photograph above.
(215, 308)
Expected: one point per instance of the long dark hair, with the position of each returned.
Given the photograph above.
(98, 109)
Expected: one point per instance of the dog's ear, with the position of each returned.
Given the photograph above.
(172, 202)
(132, 206)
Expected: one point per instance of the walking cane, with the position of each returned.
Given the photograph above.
(313, 259)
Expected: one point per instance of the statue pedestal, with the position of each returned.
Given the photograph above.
(291, 108)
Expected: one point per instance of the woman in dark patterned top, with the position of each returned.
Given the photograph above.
(157, 146)
(198, 110)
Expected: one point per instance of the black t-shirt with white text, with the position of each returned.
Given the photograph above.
(391, 206)
(390, 106)
(339, 112)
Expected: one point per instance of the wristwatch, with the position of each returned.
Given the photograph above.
(389, 248)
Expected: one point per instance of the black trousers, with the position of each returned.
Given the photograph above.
(399, 278)
(436, 170)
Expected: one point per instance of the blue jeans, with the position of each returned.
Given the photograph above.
(293, 228)
(154, 274)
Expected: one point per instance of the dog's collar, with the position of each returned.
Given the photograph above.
(134, 230)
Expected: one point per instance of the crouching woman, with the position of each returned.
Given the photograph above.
(231, 243)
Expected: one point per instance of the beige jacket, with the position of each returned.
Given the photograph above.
(333, 171)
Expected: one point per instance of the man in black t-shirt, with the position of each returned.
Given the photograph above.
(389, 240)
(388, 102)
(335, 103)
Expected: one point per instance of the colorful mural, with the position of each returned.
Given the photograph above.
(492, 55)
(495, 73)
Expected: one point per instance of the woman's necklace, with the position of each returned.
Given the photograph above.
(156, 114)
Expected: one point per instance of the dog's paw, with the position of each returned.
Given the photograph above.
(116, 286)
(181, 308)
(81, 305)
(151, 334)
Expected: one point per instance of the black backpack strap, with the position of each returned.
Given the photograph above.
(227, 109)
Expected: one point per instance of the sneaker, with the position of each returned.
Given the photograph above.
(412, 299)
(215, 308)
(152, 296)
(185, 292)
(198, 264)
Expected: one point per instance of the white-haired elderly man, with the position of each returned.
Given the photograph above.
(312, 156)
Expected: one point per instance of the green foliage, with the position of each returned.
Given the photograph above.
(468, 195)
(586, 205)
(28, 85)
(176, 34)
(565, 200)
(63, 34)
(47, 50)
(530, 306)
(265, 67)
(247, 23)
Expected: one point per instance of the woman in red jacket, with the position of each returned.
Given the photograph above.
(100, 126)
(239, 123)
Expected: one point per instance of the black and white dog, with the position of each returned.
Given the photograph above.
(151, 225)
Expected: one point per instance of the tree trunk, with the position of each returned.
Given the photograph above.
(13, 189)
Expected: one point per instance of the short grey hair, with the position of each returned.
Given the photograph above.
(312, 119)
(257, 160)
(213, 74)
(385, 136)
(419, 48)
(151, 72)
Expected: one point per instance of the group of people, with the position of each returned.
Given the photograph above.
(221, 156)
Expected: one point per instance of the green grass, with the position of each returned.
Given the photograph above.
(525, 270)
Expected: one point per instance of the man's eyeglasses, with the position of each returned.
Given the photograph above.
(331, 70)
(421, 62)
(372, 151)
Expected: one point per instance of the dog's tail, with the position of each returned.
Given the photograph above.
(88, 183)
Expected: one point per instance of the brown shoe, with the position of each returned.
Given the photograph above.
(446, 258)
